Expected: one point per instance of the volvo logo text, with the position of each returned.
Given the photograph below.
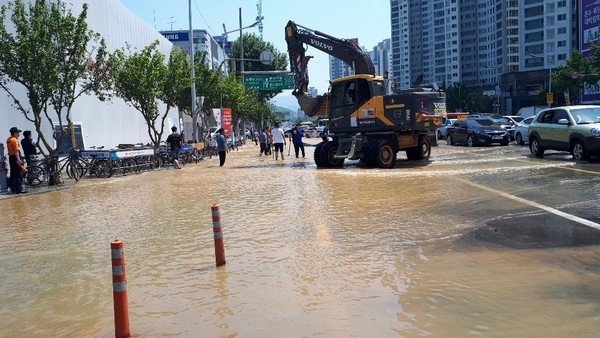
(323, 45)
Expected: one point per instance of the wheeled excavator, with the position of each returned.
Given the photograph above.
(365, 123)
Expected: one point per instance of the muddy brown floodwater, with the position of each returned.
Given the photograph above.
(335, 253)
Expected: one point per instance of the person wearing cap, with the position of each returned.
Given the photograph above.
(28, 146)
(15, 162)
(297, 134)
(174, 144)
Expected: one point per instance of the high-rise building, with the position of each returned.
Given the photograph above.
(478, 43)
(546, 36)
(425, 42)
(339, 68)
(381, 55)
(203, 42)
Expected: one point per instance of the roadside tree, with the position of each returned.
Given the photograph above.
(47, 54)
(143, 79)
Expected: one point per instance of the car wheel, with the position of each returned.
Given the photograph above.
(470, 141)
(449, 140)
(519, 139)
(579, 152)
(535, 147)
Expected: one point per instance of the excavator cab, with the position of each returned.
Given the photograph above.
(348, 95)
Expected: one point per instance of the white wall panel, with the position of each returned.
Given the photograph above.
(105, 124)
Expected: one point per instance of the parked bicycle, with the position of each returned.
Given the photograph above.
(210, 149)
(72, 164)
(35, 174)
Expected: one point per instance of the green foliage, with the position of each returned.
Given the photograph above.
(458, 97)
(143, 78)
(588, 70)
(253, 47)
(48, 55)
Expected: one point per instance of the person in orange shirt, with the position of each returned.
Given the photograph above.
(15, 161)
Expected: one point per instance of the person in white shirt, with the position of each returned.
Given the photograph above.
(278, 140)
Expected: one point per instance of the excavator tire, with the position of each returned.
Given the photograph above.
(324, 155)
(370, 157)
(384, 154)
(420, 152)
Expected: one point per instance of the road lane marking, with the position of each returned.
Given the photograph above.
(567, 168)
(535, 205)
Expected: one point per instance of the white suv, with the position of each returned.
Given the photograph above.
(575, 129)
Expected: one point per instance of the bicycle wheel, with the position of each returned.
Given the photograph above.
(154, 161)
(127, 165)
(102, 169)
(35, 176)
(85, 165)
(74, 170)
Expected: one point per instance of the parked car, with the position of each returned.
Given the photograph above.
(476, 131)
(505, 123)
(212, 132)
(311, 132)
(320, 130)
(575, 129)
(521, 130)
(441, 131)
(515, 118)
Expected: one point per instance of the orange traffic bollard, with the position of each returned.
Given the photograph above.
(219, 246)
(119, 290)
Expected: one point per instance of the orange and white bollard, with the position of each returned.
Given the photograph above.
(119, 290)
(218, 232)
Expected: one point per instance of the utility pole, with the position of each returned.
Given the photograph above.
(193, 76)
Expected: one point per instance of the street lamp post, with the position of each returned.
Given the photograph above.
(241, 39)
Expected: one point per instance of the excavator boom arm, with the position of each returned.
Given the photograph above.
(297, 36)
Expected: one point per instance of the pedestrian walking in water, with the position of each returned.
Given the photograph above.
(221, 146)
(278, 140)
(297, 134)
(262, 139)
(174, 144)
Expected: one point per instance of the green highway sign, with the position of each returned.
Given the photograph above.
(269, 81)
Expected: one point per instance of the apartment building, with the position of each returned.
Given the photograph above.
(339, 68)
(482, 44)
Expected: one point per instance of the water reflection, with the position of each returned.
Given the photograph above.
(349, 252)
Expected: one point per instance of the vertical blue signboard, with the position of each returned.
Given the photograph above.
(589, 32)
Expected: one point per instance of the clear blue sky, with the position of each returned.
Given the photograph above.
(369, 21)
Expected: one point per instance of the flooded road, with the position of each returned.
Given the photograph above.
(478, 241)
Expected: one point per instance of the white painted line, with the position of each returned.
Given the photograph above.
(536, 205)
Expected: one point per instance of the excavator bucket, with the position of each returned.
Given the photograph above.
(313, 106)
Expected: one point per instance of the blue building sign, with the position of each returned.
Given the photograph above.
(176, 36)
